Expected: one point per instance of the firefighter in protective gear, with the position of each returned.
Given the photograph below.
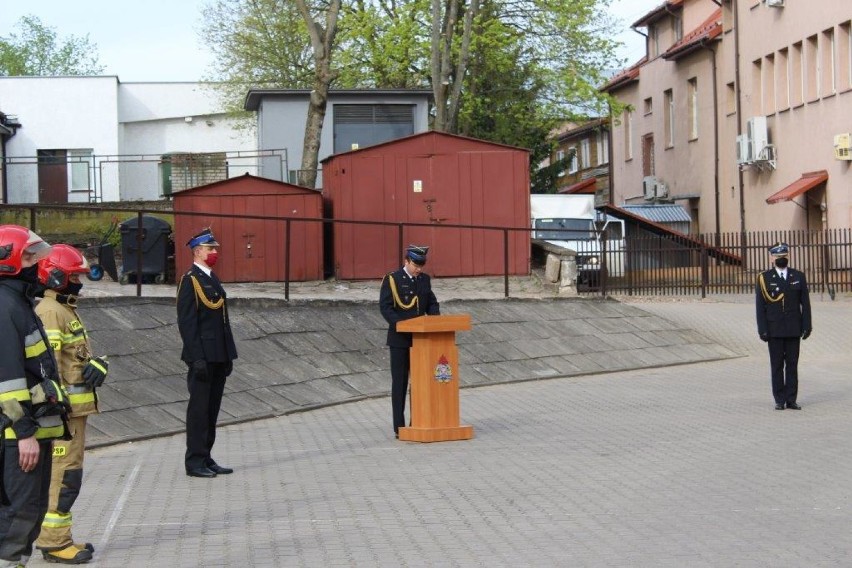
(81, 373)
(30, 397)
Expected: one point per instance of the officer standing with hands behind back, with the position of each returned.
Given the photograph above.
(208, 351)
(783, 318)
(405, 294)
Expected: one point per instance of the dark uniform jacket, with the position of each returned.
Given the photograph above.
(203, 318)
(783, 307)
(25, 358)
(403, 298)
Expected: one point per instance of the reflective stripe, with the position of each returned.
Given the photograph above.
(13, 385)
(83, 398)
(35, 350)
(50, 421)
(78, 389)
(56, 520)
(19, 395)
(49, 433)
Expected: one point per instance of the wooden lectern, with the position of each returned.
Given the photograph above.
(434, 379)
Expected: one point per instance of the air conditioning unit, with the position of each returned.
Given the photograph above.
(843, 146)
(649, 185)
(744, 150)
(758, 136)
(775, 3)
(662, 190)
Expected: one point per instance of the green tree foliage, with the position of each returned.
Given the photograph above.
(36, 50)
(257, 43)
(507, 70)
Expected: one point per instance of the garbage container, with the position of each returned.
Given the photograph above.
(154, 249)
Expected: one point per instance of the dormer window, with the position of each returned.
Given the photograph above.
(653, 42)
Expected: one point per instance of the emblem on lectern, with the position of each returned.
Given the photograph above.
(443, 371)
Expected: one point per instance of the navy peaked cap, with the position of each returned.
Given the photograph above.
(417, 253)
(779, 249)
(205, 237)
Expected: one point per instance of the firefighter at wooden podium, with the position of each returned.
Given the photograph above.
(405, 293)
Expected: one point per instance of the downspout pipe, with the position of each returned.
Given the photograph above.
(716, 142)
(740, 176)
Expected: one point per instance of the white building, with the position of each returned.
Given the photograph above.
(92, 139)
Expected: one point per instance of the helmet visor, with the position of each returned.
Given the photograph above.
(35, 250)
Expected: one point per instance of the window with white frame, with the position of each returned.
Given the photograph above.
(628, 134)
(692, 87)
(668, 108)
(585, 153)
(572, 160)
(79, 170)
(603, 146)
(560, 155)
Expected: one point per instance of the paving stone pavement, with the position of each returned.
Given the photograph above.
(661, 467)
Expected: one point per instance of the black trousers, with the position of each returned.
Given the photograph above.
(28, 493)
(400, 362)
(202, 411)
(784, 362)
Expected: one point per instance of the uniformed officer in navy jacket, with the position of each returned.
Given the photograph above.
(783, 318)
(405, 294)
(208, 351)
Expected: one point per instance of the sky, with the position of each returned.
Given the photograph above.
(158, 40)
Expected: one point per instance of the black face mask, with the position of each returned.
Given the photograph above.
(29, 274)
(781, 262)
(72, 289)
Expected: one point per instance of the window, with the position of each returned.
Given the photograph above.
(844, 53)
(648, 105)
(366, 125)
(585, 154)
(727, 15)
(811, 69)
(628, 134)
(757, 87)
(782, 80)
(797, 75)
(730, 98)
(648, 155)
(828, 85)
(572, 160)
(677, 24)
(560, 155)
(79, 162)
(653, 41)
(769, 84)
(603, 147)
(668, 108)
(692, 103)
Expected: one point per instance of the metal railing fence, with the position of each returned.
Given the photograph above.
(642, 264)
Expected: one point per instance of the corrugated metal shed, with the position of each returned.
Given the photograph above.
(672, 216)
(253, 249)
(437, 179)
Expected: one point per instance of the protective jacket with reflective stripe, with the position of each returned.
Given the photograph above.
(25, 361)
(70, 344)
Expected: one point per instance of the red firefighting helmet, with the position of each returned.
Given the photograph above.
(63, 261)
(16, 244)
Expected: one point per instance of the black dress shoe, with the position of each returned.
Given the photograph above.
(220, 470)
(201, 472)
(779, 407)
(793, 406)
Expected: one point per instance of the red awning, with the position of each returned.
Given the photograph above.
(808, 181)
(585, 186)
